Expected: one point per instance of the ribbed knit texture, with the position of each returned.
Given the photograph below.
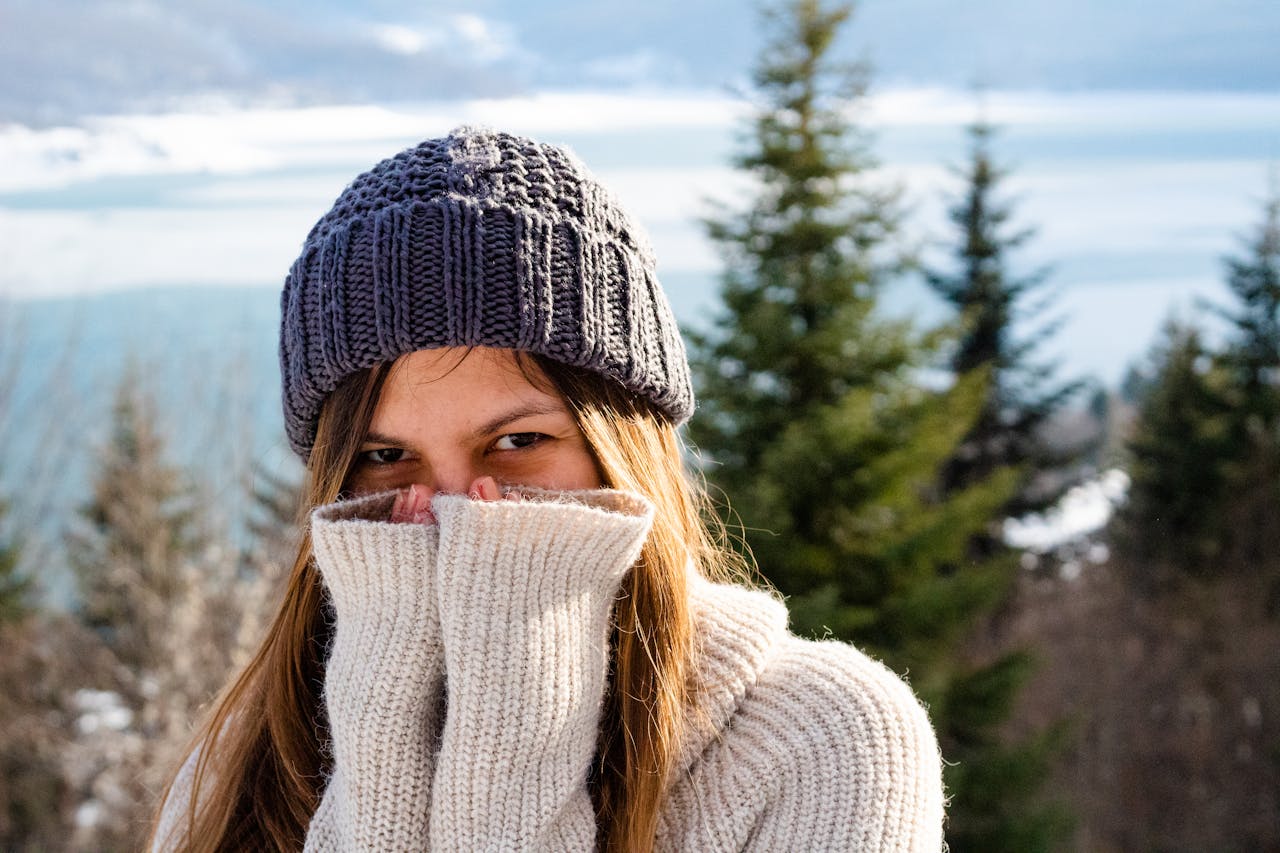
(384, 679)
(801, 745)
(530, 585)
(480, 238)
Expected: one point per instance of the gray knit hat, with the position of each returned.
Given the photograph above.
(485, 239)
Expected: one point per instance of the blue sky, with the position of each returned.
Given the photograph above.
(68, 58)
(149, 143)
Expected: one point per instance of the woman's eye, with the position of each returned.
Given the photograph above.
(518, 441)
(384, 455)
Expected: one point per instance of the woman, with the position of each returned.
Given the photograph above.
(510, 635)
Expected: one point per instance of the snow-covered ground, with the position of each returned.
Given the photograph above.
(1082, 511)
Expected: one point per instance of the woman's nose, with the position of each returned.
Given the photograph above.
(455, 478)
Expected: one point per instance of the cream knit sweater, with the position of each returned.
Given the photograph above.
(803, 745)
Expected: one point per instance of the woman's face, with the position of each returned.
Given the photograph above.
(448, 417)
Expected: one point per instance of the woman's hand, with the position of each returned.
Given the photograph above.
(413, 505)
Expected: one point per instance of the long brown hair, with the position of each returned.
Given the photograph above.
(261, 769)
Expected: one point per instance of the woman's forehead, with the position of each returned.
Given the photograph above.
(460, 385)
(440, 364)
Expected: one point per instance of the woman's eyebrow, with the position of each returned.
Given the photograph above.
(372, 437)
(492, 426)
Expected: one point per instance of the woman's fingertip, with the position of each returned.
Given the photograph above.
(484, 489)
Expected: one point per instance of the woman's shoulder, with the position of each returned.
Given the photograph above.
(828, 699)
(814, 739)
(746, 644)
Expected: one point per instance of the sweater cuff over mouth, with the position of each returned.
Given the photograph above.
(609, 501)
(574, 537)
(369, 564)
(371, 508)
(375, 508)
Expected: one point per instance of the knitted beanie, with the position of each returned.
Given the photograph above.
(477, 239)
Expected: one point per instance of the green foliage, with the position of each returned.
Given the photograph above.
(1252, 361)
(1179, 459)
(847, 493)
(1205, 466)
(979, 695)
(796, 330)
(814, 419)
(811, 409)
(995, 807)
(1020, 397)
(1253, 354)
(996, 804)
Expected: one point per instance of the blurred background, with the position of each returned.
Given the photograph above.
(1076, 246)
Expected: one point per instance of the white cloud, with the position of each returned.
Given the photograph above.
(1089, 112)
(464, 34)
(399, 39)
(225, 139)
(671, 194)
(235, 141)
(313, 190)
(53, 253)
(483, 40)
(570, 112)
(1120, 205)
(223, 142)
(1189, 205)
(253, 181)
(119, 147)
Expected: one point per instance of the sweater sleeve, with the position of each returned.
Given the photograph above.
(526, 591)
(383, 679)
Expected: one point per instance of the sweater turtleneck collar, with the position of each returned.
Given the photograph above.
(737, 632)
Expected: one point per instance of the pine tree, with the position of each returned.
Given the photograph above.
(815, 422)
(1206, 455)
(1253, 353)
(996, 781)
(276, 500)
(989, 298)
(800, 267)
(1179, 465)
(273, 522)
(1199, 535)
(167, 604)
(810, 413)
(1251, 359)
(137, 534)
